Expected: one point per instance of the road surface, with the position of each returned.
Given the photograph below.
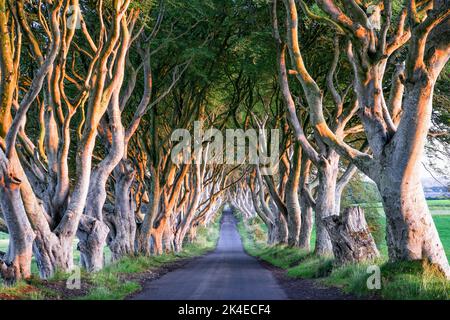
(228, 273)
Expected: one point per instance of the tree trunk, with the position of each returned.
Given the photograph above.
(351, 237)
(292, 198)
(157, 236)
(122, 240)
(52, 250)
(410, 231)
(92, 234)
(325, 202)
(272, 234)
(53, 254)
(306, 204)
(192, 209)
(193, 233)
(144, 232)
(16, 263)
(92, 231)
(283, 232)
(168, 238)
(307, 223)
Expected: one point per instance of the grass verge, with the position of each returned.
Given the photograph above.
(117, 280)
(399, 281)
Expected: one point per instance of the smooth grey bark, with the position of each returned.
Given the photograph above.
(168, 239)
(278, 230)
(397, 150)
(328, 170)
(410, 230)
(93, 231)
(282, 229)
(185, 224)
(15, 264)
(144, 232)
(279, 210)
(121, 239)
(292, 198)
(306, 203)
(262, 211)
(272, 234)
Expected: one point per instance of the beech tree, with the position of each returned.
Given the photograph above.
(119, 226)
(326, 159)
(91, 93)
(396, 128)
(42, 172)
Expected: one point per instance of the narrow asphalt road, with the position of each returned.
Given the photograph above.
(228, 273)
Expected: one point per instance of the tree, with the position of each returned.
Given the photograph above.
(396, 130)
(56, 221)
(324, 158)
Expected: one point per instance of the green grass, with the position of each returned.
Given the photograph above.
(443, 226)
(399, 281)
(112, 289)
(282, 256)
(405, 280)
(21, 290)
(311, 267)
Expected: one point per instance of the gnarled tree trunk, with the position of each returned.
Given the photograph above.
(325, 202)
(92, 234)
(186, 222)
(351, 237)
(16, 263)
(123, 222)
(410, 231)
(144, 232)
(157, 237)
(282, 232)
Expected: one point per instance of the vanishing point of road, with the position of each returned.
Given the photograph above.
(227, 273)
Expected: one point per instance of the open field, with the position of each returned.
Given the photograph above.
(437, 207)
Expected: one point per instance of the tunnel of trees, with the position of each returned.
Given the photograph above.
(91, 92)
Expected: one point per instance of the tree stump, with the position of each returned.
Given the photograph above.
(350, 236)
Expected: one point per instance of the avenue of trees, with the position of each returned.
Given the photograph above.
(91, 92)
